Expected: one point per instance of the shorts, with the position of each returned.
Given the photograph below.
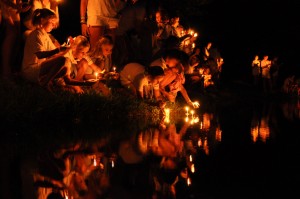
(108, 22)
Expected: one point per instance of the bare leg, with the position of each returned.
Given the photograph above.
(50, 69)
(95, 33)
(81, 68)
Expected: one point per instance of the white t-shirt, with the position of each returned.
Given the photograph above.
(104, 8)
(37, 40)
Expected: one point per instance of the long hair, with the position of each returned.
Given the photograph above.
(97, 49)
(43, 13)
(80, 42)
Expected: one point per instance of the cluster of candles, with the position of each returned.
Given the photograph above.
(187, 42)
(192, 169)
(190, 116)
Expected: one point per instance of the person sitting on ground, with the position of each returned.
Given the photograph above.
(42, 60)
(172, 83)
(76, 64)
(142, 82)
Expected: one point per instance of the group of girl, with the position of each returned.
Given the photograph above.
(74, 67)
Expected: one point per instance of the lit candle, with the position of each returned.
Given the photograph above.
(186, 119)
(96, 74)
(95, 161)
(187, 110)
(193, 168)
(192, 112)
(112, 164)
(191, 158)
(114, 69)
(189, 181)
(193, 45)
(167, 113)
(195, 35)
(199, 142)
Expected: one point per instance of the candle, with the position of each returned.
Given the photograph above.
(193, 168)
(96, 74)
(191, 158)
(195, 35)
(114, 69)
(199, 142)
(95, 161)
(193, 45)
(112, 164)
(167, 113)
(186, 119)
(192, 112)
(187, 110)
(189, 181)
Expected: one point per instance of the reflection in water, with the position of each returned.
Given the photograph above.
(155, 162)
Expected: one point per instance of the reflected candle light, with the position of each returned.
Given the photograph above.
(187, 110)
(193, 168)
(189, 182)
(112, 164)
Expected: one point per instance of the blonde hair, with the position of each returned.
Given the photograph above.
(80, 42)
(97, 49)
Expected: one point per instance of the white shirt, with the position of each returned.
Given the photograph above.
(37, 40)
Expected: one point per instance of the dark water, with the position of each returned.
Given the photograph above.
(240, 149)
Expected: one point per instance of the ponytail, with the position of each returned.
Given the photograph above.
(43, 13)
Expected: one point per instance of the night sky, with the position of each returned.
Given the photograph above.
(238, 28)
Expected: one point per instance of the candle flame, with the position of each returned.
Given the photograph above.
(193, 168)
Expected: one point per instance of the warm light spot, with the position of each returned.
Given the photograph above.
(193, 168)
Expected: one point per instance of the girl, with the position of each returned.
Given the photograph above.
(101, 56)
(38, 4)
(42, 60)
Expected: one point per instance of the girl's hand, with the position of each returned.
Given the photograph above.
(194, 104)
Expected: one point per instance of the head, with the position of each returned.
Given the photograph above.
(45, 19)
(103, 47)
(156, 74)
(266, 57)
(256, 57)
(172, 57)
(80, 46)
(175, 21)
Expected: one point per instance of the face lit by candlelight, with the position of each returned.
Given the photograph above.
(80, 52)
(106, 49)
(49, 24)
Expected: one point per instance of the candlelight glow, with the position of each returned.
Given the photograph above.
(167, 114)
(193, 168)
(189, 182)
(96, 74)
(112, 164)
(191, 158)
(218, 134)
(114, 69)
